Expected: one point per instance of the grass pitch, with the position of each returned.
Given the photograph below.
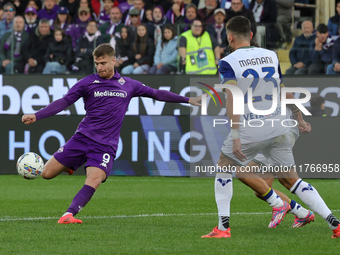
(151, 215)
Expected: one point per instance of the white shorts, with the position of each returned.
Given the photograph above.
(262, 160)
(277, 150)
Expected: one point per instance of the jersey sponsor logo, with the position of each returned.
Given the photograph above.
(111, 93)
(96, 81)
(121, 81)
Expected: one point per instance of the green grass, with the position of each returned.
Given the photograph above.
(188, 211)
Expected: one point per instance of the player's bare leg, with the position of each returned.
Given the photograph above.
(310, 196)
(94, 177)
(52, 169)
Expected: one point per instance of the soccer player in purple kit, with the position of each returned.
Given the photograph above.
(106, 97)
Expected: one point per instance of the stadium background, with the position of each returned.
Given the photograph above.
(156, 137)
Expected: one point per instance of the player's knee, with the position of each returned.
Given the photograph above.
(46, 175)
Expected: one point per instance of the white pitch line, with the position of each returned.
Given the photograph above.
(9, 218)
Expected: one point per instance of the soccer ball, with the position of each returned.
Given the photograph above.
(30, 165)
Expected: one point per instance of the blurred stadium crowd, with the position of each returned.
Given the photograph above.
(155, 36)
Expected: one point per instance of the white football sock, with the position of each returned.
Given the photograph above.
(297, 209)
(310, 196)
(223, 195)
(272, 198)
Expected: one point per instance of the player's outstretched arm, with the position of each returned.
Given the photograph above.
(167, 96)
(196, 100)
(52, 109)
(28, 119)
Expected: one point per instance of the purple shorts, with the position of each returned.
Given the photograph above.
(80, 149)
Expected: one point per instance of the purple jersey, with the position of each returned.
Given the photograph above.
(106, 102)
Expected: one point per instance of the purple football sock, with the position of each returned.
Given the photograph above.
(81, 199)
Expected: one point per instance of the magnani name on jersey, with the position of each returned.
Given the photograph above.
(255, 61)
(110, 93)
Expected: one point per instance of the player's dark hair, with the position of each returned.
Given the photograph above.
(322, 28)
(104, 49)
(239, 25)
(317, 101)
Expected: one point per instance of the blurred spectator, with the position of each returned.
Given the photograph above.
(238, 9)
(85, 46)
(72, 6)
(165, 59)
(218, 31)
(12, 43)
(104, 15)
(199, 51)
(134, 21)
(334, 68)
(207, 13)
(6, 24)
(77, 30)
(321, 50)
(177, 10)
(226, 4)
(63, 19)
(183, 23)
(58, 55)
(265, 13)
(49, 11)
(126, 5)
(123, 49)
(87, 3)
(155, 27)
(111, 28)
(143, 50)
(36, 47)
(200, 4)
(334, 21)
(299, 55)
(31, 19)
(20, 6)
(165, 4)
(318, 107)
(96, 5)
(284, 20)
(148, 15)
(139, 5)
(2, 13)
(35, 4)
